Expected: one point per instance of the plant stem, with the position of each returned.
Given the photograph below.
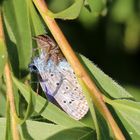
(10, 97)
(9, 88)
(78, 67)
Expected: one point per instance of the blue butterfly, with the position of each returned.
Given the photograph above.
(58, 79)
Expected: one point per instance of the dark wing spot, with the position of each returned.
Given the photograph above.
(52, 74)
(71, 101)
(67, 87)
(57, 84)
(64, 101)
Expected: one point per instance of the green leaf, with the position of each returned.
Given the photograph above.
(17, 15)
(99, 122)
(30, 108)
(47, 109)
(35, 21)
(91, 15)
(104, 131)
(121, 13)
(71, 12)
(17, 100)
(39, 130)
(2, 98)
(129, 113)
(90, 103)
(11, 48)
(104, 82)
(135, 91)
(3, 56)
(3, 128)
(8, 134)
(97, 6)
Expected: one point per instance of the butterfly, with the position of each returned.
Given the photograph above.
(58, 79)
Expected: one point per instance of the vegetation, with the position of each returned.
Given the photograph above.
(106, 32)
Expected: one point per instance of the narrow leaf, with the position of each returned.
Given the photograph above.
(90, 14)
(104, 82)
(39, 130)
(3, 56)
(135, 91)
(36, 24)
(17, 15)
(30, 108)
(129, 113)
(71, 12)
(8, 134)
(100, 123)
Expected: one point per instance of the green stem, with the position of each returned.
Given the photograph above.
(10, 96)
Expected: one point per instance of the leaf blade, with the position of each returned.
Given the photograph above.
(16, 14)
(71, 12)
(104, 82)
(3, 56)
(47, 131)
(129, 113)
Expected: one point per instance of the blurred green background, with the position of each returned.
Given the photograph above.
(108, 33)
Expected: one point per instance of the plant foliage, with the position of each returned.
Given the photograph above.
(21, 22)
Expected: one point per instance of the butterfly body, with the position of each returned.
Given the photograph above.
(59, 81)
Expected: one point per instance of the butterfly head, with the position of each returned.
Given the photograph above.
(33, 68)
(37, 65)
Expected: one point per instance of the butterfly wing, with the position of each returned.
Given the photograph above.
(49, 76)
(70, 95)
(59, 82)
(73, 102)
